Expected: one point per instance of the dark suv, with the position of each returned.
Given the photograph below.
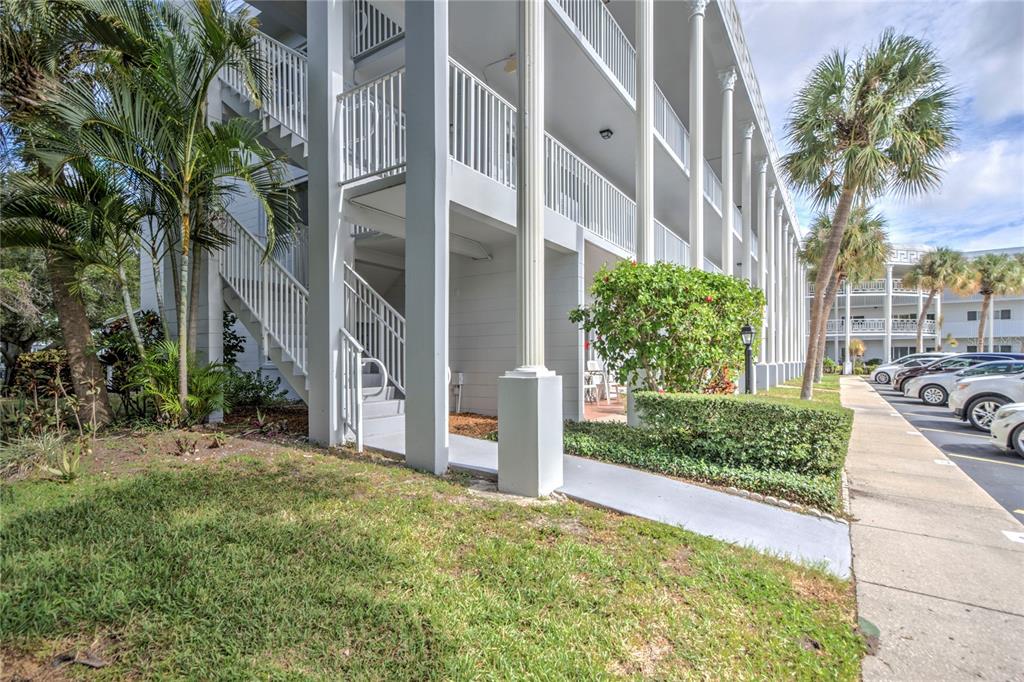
(951, 364)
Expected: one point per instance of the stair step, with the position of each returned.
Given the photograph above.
(382, 425)
(371, 395)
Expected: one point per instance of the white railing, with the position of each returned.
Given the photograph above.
(875, 287)
(376, 325)
(373, 127)
(295, 256)
(598, 27)
(711, 267)
(483, 127)
(581, 194)
(287, 86)
(712, 187)
(737, 222)
(670, 247)
(350, 384)
(755, 247)
(275, 297)
(877, 326)
(371, 29)
(671, 129)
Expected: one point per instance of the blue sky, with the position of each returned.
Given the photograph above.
(981, 202)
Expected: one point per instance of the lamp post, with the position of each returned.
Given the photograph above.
(747, 334)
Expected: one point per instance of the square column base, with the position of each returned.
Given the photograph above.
(761, 377)
(529, 432)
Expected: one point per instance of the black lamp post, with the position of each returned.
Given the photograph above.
(747, 334)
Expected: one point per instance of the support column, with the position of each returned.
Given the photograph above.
(530, 396)
(763, 371)
(788, 321)
(329, 242)
(697, 133)
(887, 343)
(771, 284)
(991, 326)
(920, 307)
(426, 239)
(645, 131)
(847, 362)
(938, 321)
(747, 206)
(728, 80)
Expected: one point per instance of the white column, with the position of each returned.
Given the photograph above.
(426, 240)
(920, 307)
(847, 366)
(763, 204)
(747, 204)
(728, 80)
(938, 321)
(329, 242)
(887, 343)
(530, 396)
(696, 128)
(645, 131)
(991, 326)
(771, 284)
(788, 317)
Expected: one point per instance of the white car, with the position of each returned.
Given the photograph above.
(1007, 429)
(976, 399)
(883, 373)
(934, 389)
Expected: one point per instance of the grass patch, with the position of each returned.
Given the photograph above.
(303, 566)
(826, 393)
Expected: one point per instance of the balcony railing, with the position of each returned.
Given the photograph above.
(671, 129)
(712, 187)
(737, 223)
(598, 27)
(371, 29)
(875, 287)
(877, 326)
(670, 247)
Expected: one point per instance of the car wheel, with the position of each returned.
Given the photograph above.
(983, 410)
(882, 378)
(933, 395)
(1017, 440)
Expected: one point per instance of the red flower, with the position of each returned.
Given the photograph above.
(586, 344)
(708, 299)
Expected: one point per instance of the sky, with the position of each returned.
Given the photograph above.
(980, 204)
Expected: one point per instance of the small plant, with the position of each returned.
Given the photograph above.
(266, 426)
(66, 462)
(28, 453)
(184, 446)
(218, 440)
(252, 389)
(234, 343)
(157, 377)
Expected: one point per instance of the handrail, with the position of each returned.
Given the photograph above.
(377, 30)
(384, 375)
(350, 384)
(378, 326)
(288, 89)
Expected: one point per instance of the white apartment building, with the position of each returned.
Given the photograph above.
(464, 169)
(883, 314)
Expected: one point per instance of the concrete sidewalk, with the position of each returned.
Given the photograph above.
(717, 514)
(935, 570)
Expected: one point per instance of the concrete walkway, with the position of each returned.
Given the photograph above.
(702, 510)
(935, 568)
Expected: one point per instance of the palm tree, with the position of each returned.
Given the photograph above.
(861, 128)
(937, 270)
(862, 256)
(151, 123)
(41, 50)
(993, 274)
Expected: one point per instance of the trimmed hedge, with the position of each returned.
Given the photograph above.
(790, 450)
(766, 435)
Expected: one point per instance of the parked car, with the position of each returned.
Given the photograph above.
(934, 389)
(884, 372)
(977, 399)
(1007, 429)
(952, 363)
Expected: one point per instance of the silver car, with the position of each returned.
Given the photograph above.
(934, 389)
(883, 374)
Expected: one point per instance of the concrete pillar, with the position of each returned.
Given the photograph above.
(847, 360)
(777, 280)
(747, 205)
(644, 131)
(788, 318)
(920, 307)
(991, 326)
(426, 241)
(887, 342)
(329, 242)
(762, 257)
(696, 128)
(728, 80)
(530, 396)
(938, 321)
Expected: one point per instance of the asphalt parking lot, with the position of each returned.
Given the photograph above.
(1000, 473)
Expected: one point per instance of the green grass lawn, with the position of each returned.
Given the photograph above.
(826, 393)
(298, 565)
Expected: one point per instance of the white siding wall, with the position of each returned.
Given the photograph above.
(483, 335)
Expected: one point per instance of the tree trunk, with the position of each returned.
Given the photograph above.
(87, 374)
(830, 299)
(156, 262)
(986, 303)
(183, 307)
(825, 272)
(129, 311)
(921, 318)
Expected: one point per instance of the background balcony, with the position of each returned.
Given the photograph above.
(876, 327)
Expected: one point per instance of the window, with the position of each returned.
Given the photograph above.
(972, 316)
(972, 349)
(1003, 314)
(1005, 348)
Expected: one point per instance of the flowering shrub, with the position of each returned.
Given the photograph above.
(668, 326)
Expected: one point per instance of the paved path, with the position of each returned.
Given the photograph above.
(1000, 473)
(702, 510)
(936, 570)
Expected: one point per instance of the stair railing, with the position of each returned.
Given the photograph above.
(287, 87)
(350, 383)
(376, 325)
(272, 294)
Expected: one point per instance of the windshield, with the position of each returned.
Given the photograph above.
(999, 367)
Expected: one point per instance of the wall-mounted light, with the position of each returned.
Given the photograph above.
(606, 134)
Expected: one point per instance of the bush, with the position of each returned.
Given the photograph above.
(251, 389)
(35, 373)
(873, 362)
(116, 346)
(829, 366)
(157, 378)
(668, 326)
(234, 343)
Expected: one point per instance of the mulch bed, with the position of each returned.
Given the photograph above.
(472, 424)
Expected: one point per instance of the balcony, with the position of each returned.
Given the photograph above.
(876, 327)
(875, 287)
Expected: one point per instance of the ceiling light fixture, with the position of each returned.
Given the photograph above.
(606, 134)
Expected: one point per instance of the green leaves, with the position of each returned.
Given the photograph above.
(667, 326)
